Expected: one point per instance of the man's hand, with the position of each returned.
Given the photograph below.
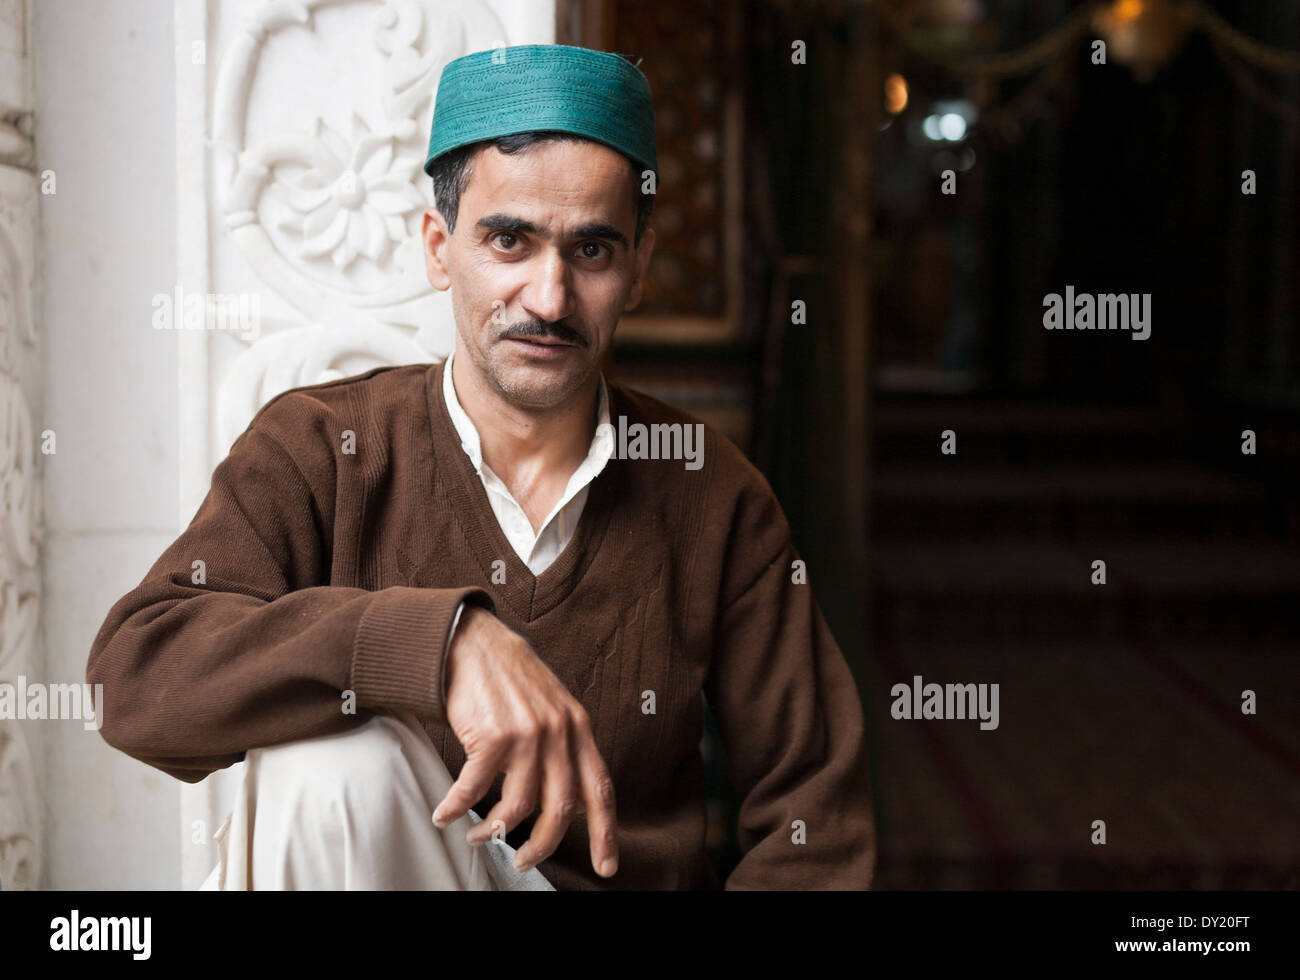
(512, 714)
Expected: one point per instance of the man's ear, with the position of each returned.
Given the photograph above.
(437, 239)
(643, 253)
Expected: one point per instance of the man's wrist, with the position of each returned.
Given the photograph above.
(398, 658)
(446, 653)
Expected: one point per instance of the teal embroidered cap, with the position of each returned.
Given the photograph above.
(536, 87)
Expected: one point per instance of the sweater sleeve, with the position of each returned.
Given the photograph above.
(791, 722)
(231, 643)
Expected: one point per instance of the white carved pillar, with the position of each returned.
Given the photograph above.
(301, 133)
(20, 490)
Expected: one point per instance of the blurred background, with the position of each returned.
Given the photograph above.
(1169, 168)
(862, 206)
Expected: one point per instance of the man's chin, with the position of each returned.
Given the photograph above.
(541, 382)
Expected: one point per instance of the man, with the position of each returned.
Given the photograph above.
(457, 568)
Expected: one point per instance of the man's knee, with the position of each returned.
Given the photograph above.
(354, 810)
(370, 762)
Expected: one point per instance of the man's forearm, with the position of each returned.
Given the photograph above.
(199, 668)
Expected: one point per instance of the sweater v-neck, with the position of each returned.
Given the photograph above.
(530, 596)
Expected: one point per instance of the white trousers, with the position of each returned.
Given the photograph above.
(354, 811)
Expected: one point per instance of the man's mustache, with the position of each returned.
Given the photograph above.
(544, 330)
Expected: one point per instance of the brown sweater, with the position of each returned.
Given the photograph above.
(327, 570)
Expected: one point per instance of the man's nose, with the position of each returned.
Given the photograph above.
(549, 295)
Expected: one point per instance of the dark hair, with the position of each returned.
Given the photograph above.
(451, 173)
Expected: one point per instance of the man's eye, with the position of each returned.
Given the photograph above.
(505, 239)
(593, 250)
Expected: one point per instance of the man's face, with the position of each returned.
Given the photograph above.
(541, 266)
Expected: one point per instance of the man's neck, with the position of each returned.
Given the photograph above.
(533, 452)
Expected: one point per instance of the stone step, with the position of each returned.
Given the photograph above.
(1037, 434)
(1004, 588)
(1047, 872)
(1072, 502)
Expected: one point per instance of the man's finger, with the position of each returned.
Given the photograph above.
(476, 778)
(560, 793)
(598, 801)
(518, 798)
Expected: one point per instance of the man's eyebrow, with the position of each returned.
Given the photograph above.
(505, 222)
(599, 229)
